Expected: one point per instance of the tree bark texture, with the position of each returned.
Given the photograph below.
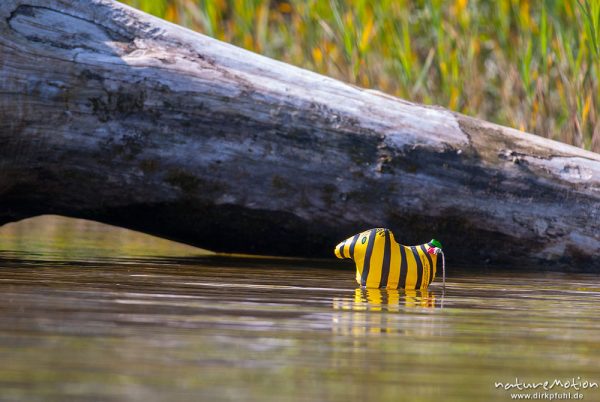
(107, 113)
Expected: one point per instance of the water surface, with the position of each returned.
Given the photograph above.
(91, 312)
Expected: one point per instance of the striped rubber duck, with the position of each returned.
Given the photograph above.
(381, 262)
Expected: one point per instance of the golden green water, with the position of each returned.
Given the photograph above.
(91, 312)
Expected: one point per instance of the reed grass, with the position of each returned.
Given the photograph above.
(532, 65)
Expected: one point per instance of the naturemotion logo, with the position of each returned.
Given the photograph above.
(558, 388)
(575, 384)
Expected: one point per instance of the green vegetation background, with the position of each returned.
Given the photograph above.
(532, 65)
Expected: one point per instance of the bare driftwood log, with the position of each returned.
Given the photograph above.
(109, 114)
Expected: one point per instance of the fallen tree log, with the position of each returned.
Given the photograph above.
(109, 114)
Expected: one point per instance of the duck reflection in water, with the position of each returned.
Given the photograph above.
(369, 311)
(387, 299)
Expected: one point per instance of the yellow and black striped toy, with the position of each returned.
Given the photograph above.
(381, 262)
